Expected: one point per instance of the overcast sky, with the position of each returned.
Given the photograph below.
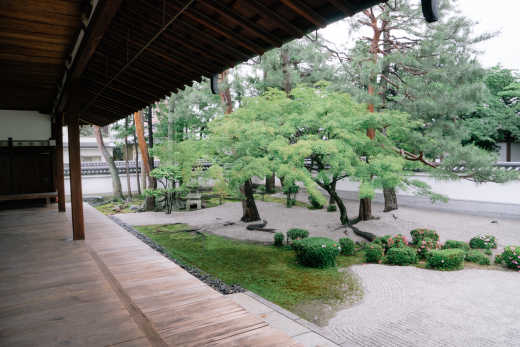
(492, 16)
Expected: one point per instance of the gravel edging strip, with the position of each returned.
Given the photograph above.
(210, 280)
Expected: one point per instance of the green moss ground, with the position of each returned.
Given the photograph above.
(271, 272)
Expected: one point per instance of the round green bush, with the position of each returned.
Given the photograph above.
(483, 241)
(477, 257)
(426, 245)
(401, 256)
(510, 257)
(456, 244)
(397, 241)
(331, 208)
(446, 259)
(421, 234)
(278, 239)
(347, 246)
(373, 253)
(295, 234)
(317, 252)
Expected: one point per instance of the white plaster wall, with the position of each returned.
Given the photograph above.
(515, 152)
(25, 125)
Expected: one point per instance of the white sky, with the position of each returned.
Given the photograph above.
(491, 16)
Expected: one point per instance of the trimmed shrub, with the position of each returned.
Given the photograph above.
(373, 253)
(477, 257)
(317, 252)
(510, 257)
(483, 241)
(397, 241)
(331, 208)
(421, 234)
(488, 252)
(315, 204)
(446, 259)
(278, 239)
(401, 256)
(426, 245)
(295, 234)
(382, 241)
(347, 246)
(456, 244)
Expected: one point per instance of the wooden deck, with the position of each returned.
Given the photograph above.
(111, 289)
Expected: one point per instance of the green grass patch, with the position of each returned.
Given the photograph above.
(108, 207)
(271, 272)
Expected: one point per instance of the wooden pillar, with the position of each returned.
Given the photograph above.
(76, 194)
(60, 176)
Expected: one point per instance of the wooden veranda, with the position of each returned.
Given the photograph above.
(94, 62)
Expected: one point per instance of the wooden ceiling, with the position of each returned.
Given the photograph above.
(146, 48)
(36, 37)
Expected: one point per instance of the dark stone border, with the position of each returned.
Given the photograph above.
(210, 280)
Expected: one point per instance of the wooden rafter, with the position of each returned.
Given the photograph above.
(306, 11)
(227, 12)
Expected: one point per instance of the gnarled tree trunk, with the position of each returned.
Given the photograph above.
(390, 199)
(116, 181)
(250, 211)
(365, 209)
(139, 128)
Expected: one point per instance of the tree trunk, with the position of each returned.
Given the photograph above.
(153, 181)
(139, 128)
(250, 211)
(270, 182)
(343, 217)
(284, 55)
(365, 209)
(136, 147)
(116, 181)
(225, 93)
(390, 199)
(128, 183)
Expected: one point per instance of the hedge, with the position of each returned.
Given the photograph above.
(317, 252)
(446, 259)
(401, 256)
(295, 234)
(477, 257)
(483, 241)
(426, 245)
(278, 239)
(456, 244)
(373, 252)
(510, 257)
(347, 246)
(421, 234)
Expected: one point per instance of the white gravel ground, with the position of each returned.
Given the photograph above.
(407, 306)
(453, 226)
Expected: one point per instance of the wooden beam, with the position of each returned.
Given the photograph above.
(76, 193)
(228, 12)
(103, 15)
(340, 5)
(305, 11)
(60, 176)
(220, 29)
(284, 23)
(138, 54)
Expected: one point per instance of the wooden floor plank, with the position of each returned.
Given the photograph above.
(110, 290)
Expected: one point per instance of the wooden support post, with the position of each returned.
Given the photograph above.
(60, 176)
(76, 194)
